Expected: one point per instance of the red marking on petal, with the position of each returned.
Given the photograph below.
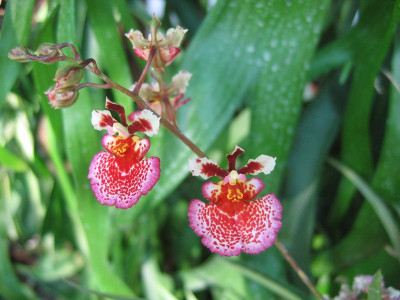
(140, 125)
(252, 188)
(143, 54)
(132, 116)
(258, 224)
(118, 109)
(131, 148)
(251, 167)
(217, 229)
(106, 120)
(168, 55)
(210, 169)
(232, 158)
(212, 192)
(121, 182)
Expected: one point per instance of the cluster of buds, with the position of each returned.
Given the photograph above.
(165, 48)
(165, 100)
(65, 92)
(161, 50)
(45, 53)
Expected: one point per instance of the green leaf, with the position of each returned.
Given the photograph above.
(224, 274)
(10, 286)
(286, 35)
(12, 161)
(112, 58)
(375, 289)
(15, 31)
(387, 176)
(371, 39)
(317, 128)
(377, 203)
(82, 143)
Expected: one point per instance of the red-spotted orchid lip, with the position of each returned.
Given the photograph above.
(252, 227)
(233, 221)
(121, 175)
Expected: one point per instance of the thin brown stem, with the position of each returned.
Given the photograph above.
(76, 54)
(89, 84)
(143, 104)
(297, 269)
(145, 70)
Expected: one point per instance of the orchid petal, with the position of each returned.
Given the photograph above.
(205, 168)
(121, 182)
(137, 39)
(145, 122)
(218, 192)
(132, 148)
(250, 227)
(102, 119)
(217, 229)
(174, 37)
(180, 82)
(262, 164)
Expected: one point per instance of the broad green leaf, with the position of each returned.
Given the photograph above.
(375, 289)
(286, 35)
(112, 59)
(15, 31)
(316, 130)
(82, 143)
(12, 161)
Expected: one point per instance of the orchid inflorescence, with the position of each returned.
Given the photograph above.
(233, 222)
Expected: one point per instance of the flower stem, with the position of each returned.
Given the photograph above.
(297, 269)
(145, 70)
(96, 85)
(143, 104)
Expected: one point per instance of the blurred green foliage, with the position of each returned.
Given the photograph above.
(337, 175)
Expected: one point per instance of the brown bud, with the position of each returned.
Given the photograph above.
(68, 76)
(61, 98)
(19, 54)
(47, 50)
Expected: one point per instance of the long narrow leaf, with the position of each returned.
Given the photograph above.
(378, 204)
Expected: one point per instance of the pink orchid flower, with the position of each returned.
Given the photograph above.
(232, 222)
(121, 174)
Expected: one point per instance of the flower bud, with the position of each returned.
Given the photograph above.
(68, 76)
(47, 50)
(19, 54)
(166, 47)
(61, 98)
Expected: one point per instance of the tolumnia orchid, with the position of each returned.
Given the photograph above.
(233, 221)
(121, 174)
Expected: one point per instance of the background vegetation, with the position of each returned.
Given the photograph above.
(337, 175)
